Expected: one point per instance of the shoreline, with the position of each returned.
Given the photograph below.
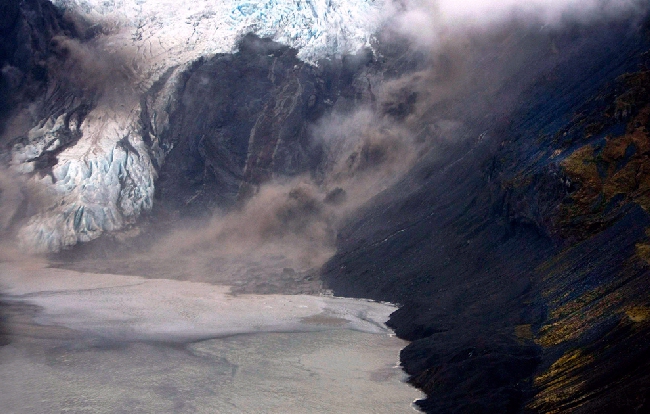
(44, 315)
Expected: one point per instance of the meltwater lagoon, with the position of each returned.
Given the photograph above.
(90, 343)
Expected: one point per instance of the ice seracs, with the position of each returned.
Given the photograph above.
(104, 172)
(174, 30)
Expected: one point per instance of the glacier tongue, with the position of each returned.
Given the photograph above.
(103, 181)
(104, 173)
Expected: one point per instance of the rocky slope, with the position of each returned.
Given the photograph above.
(520, 258)
(243, 119)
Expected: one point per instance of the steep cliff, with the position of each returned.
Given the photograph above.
(519, 258)
(243, 119)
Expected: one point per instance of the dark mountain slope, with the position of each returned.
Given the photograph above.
(518, 256)
(26, 29)
(243, 119)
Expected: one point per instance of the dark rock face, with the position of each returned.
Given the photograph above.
(243, 119)
(26, 32)
(521, 271)
(235, 122)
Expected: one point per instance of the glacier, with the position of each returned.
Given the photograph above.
(173, 30)
(105, 178)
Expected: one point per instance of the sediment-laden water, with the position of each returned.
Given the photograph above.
(120, 344)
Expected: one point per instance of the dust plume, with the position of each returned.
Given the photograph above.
(20, 199)
(288, 227)
(90, 67)
(430, 22)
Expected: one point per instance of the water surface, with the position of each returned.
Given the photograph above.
(92, 343)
